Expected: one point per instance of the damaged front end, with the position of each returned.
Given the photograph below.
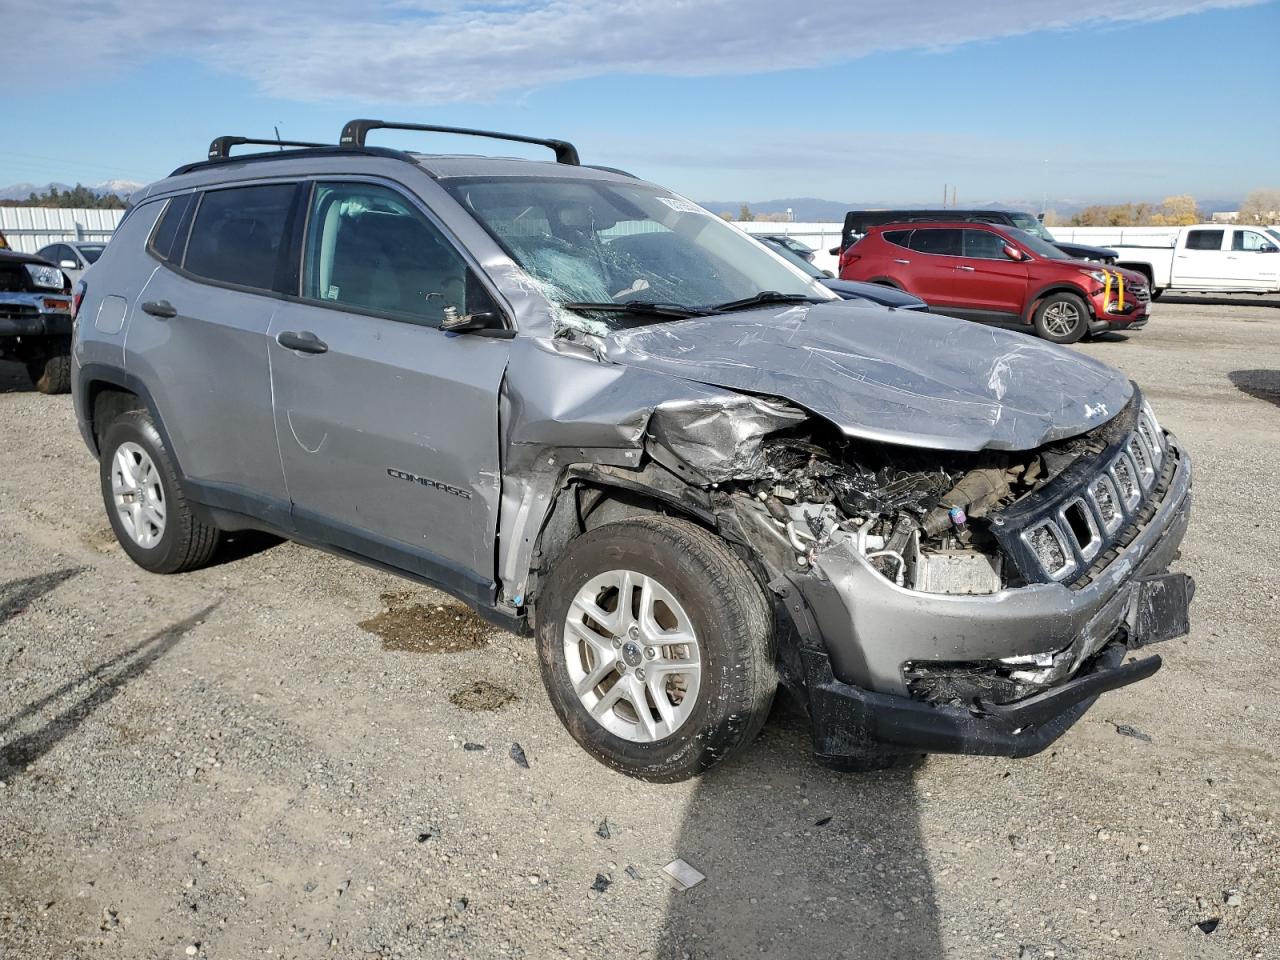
(984, 598)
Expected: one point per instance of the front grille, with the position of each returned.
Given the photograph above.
(1078, 522)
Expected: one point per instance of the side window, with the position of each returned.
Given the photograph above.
(898, 238)
(170, 234)
(238, 234)
(369, 248)
(945, 242)
(984, 245)
(1205, 239)
(1249, 241)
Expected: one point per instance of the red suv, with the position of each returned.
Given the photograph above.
(997, 274)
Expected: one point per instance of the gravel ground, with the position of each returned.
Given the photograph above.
(289, 755)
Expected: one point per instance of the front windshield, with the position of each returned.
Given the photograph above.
(1275, 234)
(91, 253)
(609, 243)
(1029, 224)
(1037, 247)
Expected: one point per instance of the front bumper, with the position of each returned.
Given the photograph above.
(35, 315)
(861, 629)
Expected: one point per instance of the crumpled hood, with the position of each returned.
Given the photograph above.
(897, 377)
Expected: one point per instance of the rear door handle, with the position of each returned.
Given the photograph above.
(162, 309)
(899, 260)
(304, 341)
(963, 267)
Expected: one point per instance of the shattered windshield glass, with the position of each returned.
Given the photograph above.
(597, 247)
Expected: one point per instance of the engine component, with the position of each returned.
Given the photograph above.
(958, 572)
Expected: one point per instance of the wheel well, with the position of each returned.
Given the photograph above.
(106, 401)
(1143, 268)
(886, 282)
(1062, 288)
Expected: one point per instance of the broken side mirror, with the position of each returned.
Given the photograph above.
(1012, 252)
(455, 322)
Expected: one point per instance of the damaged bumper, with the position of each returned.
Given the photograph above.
(862, 631)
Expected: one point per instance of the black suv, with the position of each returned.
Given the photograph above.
(858, 222)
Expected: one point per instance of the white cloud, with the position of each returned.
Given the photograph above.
(420, 51)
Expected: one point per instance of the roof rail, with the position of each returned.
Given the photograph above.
(353, 135)
(220, 148)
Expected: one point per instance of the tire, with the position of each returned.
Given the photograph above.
(1156, 293)
(51, 373)
(715, 596)
(172, 538)
(1053, 321)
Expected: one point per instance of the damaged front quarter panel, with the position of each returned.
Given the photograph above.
(721, 438)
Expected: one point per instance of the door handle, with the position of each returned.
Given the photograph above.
(161, 309)
(963, 267)
(304, 341)
(899, 260)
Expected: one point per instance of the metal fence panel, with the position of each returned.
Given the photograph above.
(30, 228)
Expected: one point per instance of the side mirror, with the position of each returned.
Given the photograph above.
(1269, 248)
(828, 274)
(455, 322)
(68, 265)
(1012, 252)
(834, 251)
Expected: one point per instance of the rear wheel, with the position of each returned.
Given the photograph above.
(145, 502)
(1061, 318)
(51, 372)
(656, 647)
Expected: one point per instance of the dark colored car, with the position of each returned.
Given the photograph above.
(858, 222)
(997, 274)
(801, 250)
(35, 319)
(877, 293)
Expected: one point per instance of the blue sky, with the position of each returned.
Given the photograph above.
(1112, 99)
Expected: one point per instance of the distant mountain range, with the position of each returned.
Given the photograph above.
(814, 210)
(20, 191)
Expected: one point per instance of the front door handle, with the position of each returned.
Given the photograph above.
(963, 267)
(304, 341)
(900, 260)
(162, 309)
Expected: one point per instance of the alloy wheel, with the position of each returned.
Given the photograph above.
(632, 656)
(1061, 318)
(138, 494)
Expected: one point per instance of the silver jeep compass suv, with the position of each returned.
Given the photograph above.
(603, 416)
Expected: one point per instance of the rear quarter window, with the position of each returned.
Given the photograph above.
(899, 238)
(1205, 239)
(165, 243)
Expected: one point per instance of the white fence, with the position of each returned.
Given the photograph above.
(1117, 236)
(30, 228)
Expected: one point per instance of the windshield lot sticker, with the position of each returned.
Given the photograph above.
(681, 205)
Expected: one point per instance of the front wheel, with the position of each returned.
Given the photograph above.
(51, 372)
(1061, 318)
(656, 647)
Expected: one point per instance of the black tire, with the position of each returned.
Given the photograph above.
(729, 614)
(1156, 293)
(51, 373)
(1065, 302)
(186, 542)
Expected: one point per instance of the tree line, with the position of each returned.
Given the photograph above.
(78, 197)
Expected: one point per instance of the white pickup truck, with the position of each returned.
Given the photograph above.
(1206, 257)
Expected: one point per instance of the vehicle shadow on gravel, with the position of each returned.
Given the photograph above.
(1259, 384)
(14, 379)
(104, 680)
(802, 861)
(1238, 300)
(17, 595)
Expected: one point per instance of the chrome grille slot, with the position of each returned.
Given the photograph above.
(1047, 542)
(1125, 475)
(1078, 519)
(1106, 502)
(1141, 456)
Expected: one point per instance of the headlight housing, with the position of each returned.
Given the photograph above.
(1099, 275)
(45, 277)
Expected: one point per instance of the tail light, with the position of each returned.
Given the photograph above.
(848, 258)
(77, 298)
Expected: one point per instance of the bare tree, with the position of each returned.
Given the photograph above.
(1261, 206)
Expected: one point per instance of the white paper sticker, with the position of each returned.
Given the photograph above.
(683, 206)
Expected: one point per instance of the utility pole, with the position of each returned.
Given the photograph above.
(945, 187)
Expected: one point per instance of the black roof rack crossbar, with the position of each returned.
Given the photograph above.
(220, 148)
(354, 132)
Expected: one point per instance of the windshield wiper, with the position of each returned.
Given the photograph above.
(637, 307)
(763, 298)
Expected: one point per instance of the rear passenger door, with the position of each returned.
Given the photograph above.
(388, 426)
(1201, 262)
(197, 336)
(1253, 263)
(935, 254)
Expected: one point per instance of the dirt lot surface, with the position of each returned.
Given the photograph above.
(289, 755)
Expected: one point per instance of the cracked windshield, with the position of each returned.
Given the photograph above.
(623, 254)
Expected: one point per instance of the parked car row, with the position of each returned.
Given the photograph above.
(681, 462)
(35, 319)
